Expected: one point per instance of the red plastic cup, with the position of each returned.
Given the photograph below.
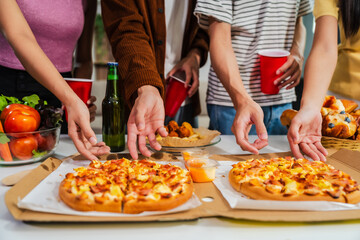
(270, 61)
(82, 87)
(176, 93)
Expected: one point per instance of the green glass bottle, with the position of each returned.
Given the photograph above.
(113, 125)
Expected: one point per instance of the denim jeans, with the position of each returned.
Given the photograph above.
(222, 117)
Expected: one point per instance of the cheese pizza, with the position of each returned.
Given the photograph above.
(126, 186)
(289, 179)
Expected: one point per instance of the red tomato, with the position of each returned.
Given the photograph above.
(20, 118)
(22, 147)
(45, 143)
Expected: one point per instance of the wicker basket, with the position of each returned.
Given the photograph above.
(337, 143)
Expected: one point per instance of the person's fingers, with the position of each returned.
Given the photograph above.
(316, 151)
(323, 151)
(241, 139)
(293, 79)
(295, 148)
(153, 143)
(286, 65)
(78, 142)
(140, 118)
(260, 127)
(195, 83)
(295, 83)
(172, 71)
(162, 131)
(293, 132)
(259, 143)
(131, 142)
(188, 74)
(91, 100)
(308, 151)
(142, 146)
(286, 75)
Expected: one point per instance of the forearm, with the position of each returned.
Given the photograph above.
(224, 63)
(131, 47)
(321, 63)
(298, 45)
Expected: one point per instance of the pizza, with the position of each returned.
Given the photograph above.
(126, 186)
(289, 179)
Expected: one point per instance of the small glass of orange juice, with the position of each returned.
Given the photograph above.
(202, 169)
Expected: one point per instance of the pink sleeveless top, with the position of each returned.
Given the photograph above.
(57, 26)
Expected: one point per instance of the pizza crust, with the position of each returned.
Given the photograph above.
(135, 206)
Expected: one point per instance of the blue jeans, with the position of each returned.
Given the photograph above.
(222, 117)
(184, 114)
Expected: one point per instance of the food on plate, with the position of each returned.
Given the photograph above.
(186, 136)
(340, 118)
(288, 179)
(29, 128)
(126, 186)
(202, 169)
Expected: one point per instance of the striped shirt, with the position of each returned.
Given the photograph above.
(255, 25)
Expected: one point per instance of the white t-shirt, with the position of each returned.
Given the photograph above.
(255, 25)
(175, 16)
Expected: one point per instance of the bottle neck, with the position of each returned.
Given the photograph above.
(112, 82)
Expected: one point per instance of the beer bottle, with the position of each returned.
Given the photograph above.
(113, 125)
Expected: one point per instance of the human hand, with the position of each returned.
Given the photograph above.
(247, 114)
(190, 65)
(92, 107)
(146, 118)
(305, 135)
(291, 68)
(81, 133)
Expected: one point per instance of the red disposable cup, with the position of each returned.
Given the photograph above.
(82, 87)
(176, 93)
(270, 61)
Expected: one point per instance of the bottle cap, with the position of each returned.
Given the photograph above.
(112, 64)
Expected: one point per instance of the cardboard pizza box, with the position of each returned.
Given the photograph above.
(213, 204)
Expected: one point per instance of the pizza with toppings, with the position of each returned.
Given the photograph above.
(126, 186)
(289, 179)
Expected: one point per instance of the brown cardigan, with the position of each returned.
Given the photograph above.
(137, 33)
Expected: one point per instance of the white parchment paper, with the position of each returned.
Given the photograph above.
(240, 201)
(45, 196)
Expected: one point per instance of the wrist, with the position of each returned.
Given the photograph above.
(147, 89)
(196, 54)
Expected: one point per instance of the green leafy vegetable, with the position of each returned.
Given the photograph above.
(37, 154)
(3, 138)
(32, 100)
(5, 100)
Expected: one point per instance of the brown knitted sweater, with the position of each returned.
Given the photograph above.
(137, 33)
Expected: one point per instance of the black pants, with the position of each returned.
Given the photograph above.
(19, 83)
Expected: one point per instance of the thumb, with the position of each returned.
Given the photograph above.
(285, 66)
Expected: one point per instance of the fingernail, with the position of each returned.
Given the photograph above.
(263, 136)
(93, 140)
(141, 126)
(278, 72)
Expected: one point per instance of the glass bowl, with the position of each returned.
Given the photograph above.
(28, 147)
